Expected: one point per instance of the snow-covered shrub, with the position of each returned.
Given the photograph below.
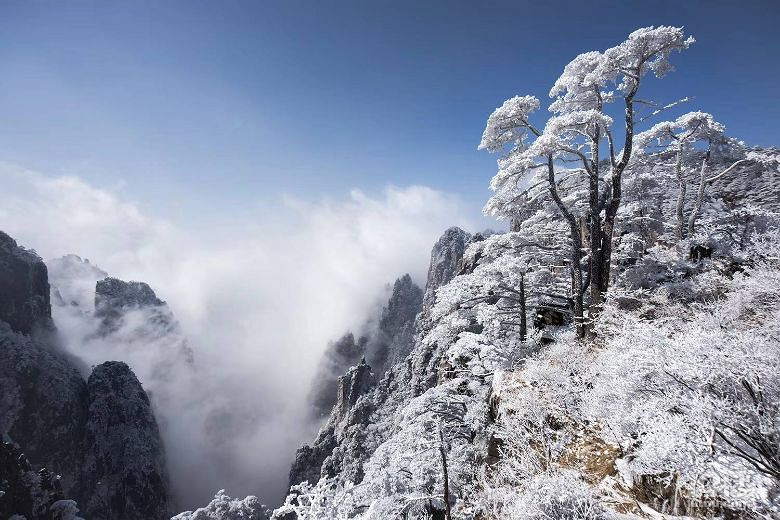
(693, 399)
(556, 495)
(562, 496)
(225, 508)
(328, 499)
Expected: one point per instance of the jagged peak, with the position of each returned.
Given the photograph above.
(125, 294)
(446, 256)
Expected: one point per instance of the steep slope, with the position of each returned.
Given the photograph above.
(43, 397)
(338, 357)
(104, 318)
(72, 281)
(114, 297)
(394, 336)
(42, 403)
(671, 411)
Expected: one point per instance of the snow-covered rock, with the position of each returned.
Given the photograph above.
(445, 263)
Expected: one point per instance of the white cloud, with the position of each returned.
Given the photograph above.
(258, 299)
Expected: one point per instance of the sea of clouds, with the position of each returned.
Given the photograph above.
(257, 294)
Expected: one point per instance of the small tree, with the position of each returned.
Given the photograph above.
(570, 145)
(682, 137)
(447, 424)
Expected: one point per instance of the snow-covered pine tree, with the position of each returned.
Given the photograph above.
(570, 144)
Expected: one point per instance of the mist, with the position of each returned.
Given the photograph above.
(257, 295)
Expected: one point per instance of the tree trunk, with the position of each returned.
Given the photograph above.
(612, 206)
(699, 199)
(443, 453)
(606, 253)
(523, 324)
(576, 282)
(595, 237)
(576, 250)
(680, 197)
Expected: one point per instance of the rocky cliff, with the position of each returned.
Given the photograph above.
(114, 297)
(346, 442)
(73, 280)
(445, 263)
(103, 318)
(457, 426)
(102, 429)
(394, 336)
(24, 298)
(385, 340)
(123, 470)
(338, 357)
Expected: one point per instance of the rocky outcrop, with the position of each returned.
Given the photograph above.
(100, 435)
(123, 474)
(446, 258)
(346, 441)
(112, 294)
(446, 263)
(116, 300)
(114, 297)
(351, 412)
(25, 491)
(394, 337)
(338, 357)
(24, 287)
(388, 342)
(73, 281)
(356, 382)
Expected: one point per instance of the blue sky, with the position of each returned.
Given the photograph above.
(195, 109)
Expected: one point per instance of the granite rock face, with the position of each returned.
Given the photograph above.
(24, 287)
(350, 413)
(118, 307)
(123, 474)
(395, 334)
(73, 281)
(446, 263)
(42, 403)
(446, 258)
(356, 382)
(385, 342)
(338, 357)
